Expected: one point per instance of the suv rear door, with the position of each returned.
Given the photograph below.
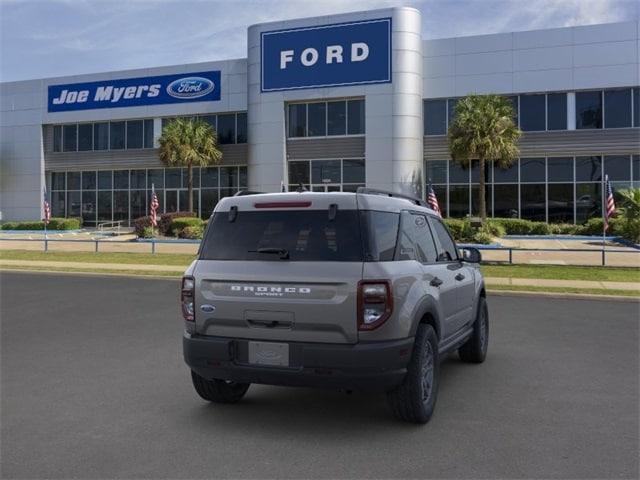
(279, 273)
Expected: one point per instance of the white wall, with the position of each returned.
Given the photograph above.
(593, 56)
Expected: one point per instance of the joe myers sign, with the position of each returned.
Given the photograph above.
(327, 55)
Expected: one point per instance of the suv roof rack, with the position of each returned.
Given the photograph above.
(386, 193)
(242, 193)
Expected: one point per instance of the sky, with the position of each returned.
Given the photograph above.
(50, 38)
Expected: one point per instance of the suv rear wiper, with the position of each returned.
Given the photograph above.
(283, 252)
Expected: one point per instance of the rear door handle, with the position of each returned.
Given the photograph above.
(436, 282)
(459, 277)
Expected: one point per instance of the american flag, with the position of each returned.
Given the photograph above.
(432, 200)
(46, 208)
(153, 207)
(609, 202)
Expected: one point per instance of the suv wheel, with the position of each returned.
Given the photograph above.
(415, 399)
(218, 391)
(474, 350)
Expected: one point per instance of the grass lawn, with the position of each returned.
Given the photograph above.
(563, 272)
(100, 257)
(102, 271)
(583, 291)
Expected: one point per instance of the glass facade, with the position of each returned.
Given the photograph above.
(337, 175)
(326, 119)
(552, 189)
(107, 195)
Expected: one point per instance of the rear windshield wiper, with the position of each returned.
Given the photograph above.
(283, 252)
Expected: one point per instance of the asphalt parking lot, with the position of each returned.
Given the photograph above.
(93, 386)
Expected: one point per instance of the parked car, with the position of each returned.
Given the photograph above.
(354, 291)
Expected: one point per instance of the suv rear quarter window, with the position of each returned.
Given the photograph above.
(447, 251)
(416, 242)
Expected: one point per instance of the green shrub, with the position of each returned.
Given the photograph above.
(139, 225)
(563, 229)
(164, 225)
(55, 223)
(179, 224)
(148, 232)
(192, 232)
(9, 225)
(455, 226)
(482, 236)
(71, 223)
(514, 226)
(494, 228)
(539, 228)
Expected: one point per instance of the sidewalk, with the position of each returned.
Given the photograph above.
(177, 269)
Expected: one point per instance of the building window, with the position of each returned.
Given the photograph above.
(355, 117)
(70, 138)
(435, 117)
(436, 171)
(337, 118)
(560, 202)
(101, 136)
(506, 175)
(58, 181)
(505, 201)
(73, 180)
(298, 120)
(117, 135)
(618, 167)
(556, 111)
(121, 179)
(135, 134)
(85, 137)
(327, 175)
(458, 200)
(532, 170)
(589, 110)
(533, 202)
(560, 169)
(533, 112)
(89, 180)
(617, 108)
(588, 169)
(514, 103)
(452, 103)
(148, 133)
(588, 201)
(105, 180)
(57, 138)
(317, 119)
(636, 107)
(226, 128)
(241, 130)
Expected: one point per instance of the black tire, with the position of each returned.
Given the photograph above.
(415, 399)
(218, 391)
(474, 350)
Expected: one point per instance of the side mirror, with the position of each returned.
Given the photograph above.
(471, 255)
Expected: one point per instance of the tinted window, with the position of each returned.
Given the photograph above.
(156, 178)
(89, 180)
(382, 228)
(209, 177)
(636, 107)
(426, 249)
(447, 249)
(514, 103)
(635, 160)
(73, 180)
(436, 171)
(101, 136)
(104, 180)
(532, 112)
(297, 120)
(475, 199)
(117, 135)
(229, 177)
(506, 175)
(588, 201)
(589, 109)
(85, 137)
(353, 171)
(560, 202)
(325, 171)
(337, 118)
(227, 128)
(617, 108)
(317, 116)
(532, 202)
(355, 117)
(57, 138)
(505, 201)
(435, 117)
(70, 137)
(532, 170)
(618, 167)
(458, 200)
(451, 109)
(121, 179)
(588, 169)
(560, 169)
(135, 134)
(242, 128)
(556, 111)
(57, 181)
(299, 173)
(308, 235)
(138, 179)
(457, 174)
(148, 134)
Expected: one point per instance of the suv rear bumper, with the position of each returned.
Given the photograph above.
(373, 366)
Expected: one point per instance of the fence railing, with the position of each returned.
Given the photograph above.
(116, 224)
(509, 252)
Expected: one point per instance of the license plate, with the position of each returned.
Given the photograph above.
(268, 353)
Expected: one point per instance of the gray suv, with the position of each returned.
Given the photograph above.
(353, 291)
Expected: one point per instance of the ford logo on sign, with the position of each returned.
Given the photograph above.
(190, 87)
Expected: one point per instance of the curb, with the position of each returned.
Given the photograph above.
(91, 274)
(567, 296)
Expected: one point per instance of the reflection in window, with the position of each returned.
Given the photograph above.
(121, 179)
(353, 171)
(618, 167)
(532, 202)
(101, 136)
(299, 173)
(588, 201)
(560, 202)
(505, 201)
(457, 174)
(156, 178)
(458, 201)
(617, 108)
(475, 200)
(116, 134)
(105, 180)
(135, 134)
(89, 180)
(588, 169)
(436, 171)
(337, 118)
(85, 137)
(355, 117)
(560, 169)
(73, 180)
(138, 179)
(226, 128)
(506, 175)
(325, 171)
(317, 118)
(298, 120)
(452, 103)
(209, 177)
(241, 134)
(532, 169)
(70, 137)
(589, 109)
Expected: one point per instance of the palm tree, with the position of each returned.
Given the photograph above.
(484, 129)
(189, 143)
(629, 210)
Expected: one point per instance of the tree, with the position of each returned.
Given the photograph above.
(484, 129)
(629, 211)
(189, 143)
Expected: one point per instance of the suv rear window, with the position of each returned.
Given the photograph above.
(306, 235)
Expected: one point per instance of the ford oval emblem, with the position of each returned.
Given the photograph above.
(207, 308)
(190, 87)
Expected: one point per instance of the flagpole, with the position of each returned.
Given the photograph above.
(603, 196)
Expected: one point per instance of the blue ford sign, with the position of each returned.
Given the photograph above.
(328, 55)
(133, 92)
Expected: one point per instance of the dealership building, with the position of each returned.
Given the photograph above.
(334, 103)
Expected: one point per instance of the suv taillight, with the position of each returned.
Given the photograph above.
(187, 294)
(375, 303)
